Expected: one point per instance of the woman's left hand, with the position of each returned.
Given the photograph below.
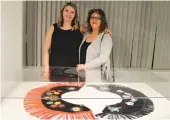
(107, 31)
(80, 67)
(83, 29)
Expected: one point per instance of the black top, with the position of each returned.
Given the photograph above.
(83, 50)
(64, 47)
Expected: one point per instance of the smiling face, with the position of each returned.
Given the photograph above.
(95, 21)
(68, 13)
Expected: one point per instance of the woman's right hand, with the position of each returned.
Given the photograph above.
(46, 74)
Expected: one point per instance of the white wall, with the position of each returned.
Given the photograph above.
(11, 44)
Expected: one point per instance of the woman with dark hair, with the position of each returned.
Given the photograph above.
(95, 49)
(62, 42)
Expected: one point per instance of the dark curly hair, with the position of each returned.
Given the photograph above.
(104, 23)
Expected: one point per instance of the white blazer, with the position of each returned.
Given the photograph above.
(97, 55)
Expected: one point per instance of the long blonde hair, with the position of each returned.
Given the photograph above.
(75, 23)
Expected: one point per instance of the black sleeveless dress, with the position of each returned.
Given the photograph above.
(64, 47)
(64, 53)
